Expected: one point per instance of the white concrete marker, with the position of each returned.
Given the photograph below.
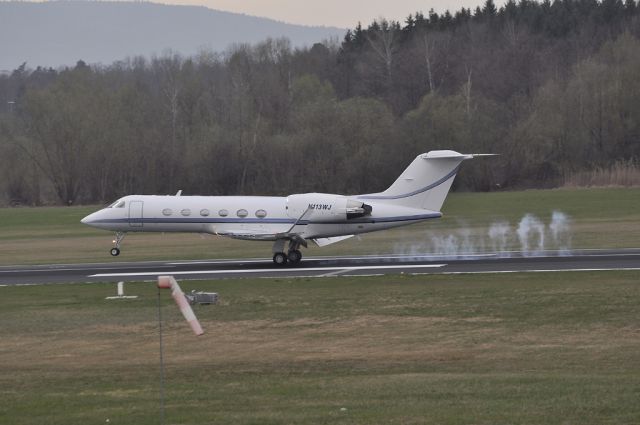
(121, 294)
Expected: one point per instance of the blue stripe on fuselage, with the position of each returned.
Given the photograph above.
(265, 220)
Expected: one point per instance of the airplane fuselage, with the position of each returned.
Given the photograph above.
(250, 217)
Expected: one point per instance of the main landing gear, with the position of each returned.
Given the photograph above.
(293, 255)
(115, 251)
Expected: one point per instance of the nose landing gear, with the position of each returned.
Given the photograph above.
(116, 250)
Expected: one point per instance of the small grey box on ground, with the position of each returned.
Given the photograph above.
(202, 297)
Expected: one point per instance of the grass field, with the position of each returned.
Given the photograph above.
(599, 218)
(537, 348)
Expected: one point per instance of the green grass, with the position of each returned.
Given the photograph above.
(552, 348)
(600, 218)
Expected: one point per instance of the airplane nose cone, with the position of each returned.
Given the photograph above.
(88, 219)
(97, 220)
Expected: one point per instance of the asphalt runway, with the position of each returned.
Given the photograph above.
(368, 265)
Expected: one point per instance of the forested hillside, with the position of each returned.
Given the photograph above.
(553, 87)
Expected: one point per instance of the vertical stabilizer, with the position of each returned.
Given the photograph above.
(425, 183)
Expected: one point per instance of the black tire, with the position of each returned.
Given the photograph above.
(294, 256)
(115, 252)
(280, 258)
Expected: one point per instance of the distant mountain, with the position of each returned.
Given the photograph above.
(63, 32)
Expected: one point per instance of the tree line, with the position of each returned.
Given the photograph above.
(553, 87)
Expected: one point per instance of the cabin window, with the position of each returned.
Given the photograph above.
(167, 211)
(223, 213)
(242, 213)
(185, 212)
(204, 212)
(261, 213)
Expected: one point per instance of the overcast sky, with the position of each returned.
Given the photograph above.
(339, 13)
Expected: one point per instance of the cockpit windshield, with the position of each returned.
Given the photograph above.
(118, 204)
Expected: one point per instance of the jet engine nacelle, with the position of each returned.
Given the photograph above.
(325, 207)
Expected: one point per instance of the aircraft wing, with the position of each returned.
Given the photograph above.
(254, 236)
(328, 241)
(245, 234)
(305, 215)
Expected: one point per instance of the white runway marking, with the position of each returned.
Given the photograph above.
(336, 273)
(54, 269)
(309, 269)
(57, 269)
(621, 269)
(190, 263)
(365, 257)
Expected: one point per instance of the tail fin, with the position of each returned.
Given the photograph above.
(425, 183)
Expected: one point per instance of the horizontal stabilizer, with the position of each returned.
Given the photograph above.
(328, 241)
(454, 154)
(445, 154)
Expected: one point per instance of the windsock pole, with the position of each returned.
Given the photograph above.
(161, 359)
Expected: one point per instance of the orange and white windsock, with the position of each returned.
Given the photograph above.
(169, 282)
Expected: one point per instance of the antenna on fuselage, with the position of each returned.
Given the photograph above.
(179, 193)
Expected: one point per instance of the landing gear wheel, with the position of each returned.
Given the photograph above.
(280, 258)
(295, 256)
(115, 251)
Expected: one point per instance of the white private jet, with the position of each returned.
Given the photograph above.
(417, 195)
